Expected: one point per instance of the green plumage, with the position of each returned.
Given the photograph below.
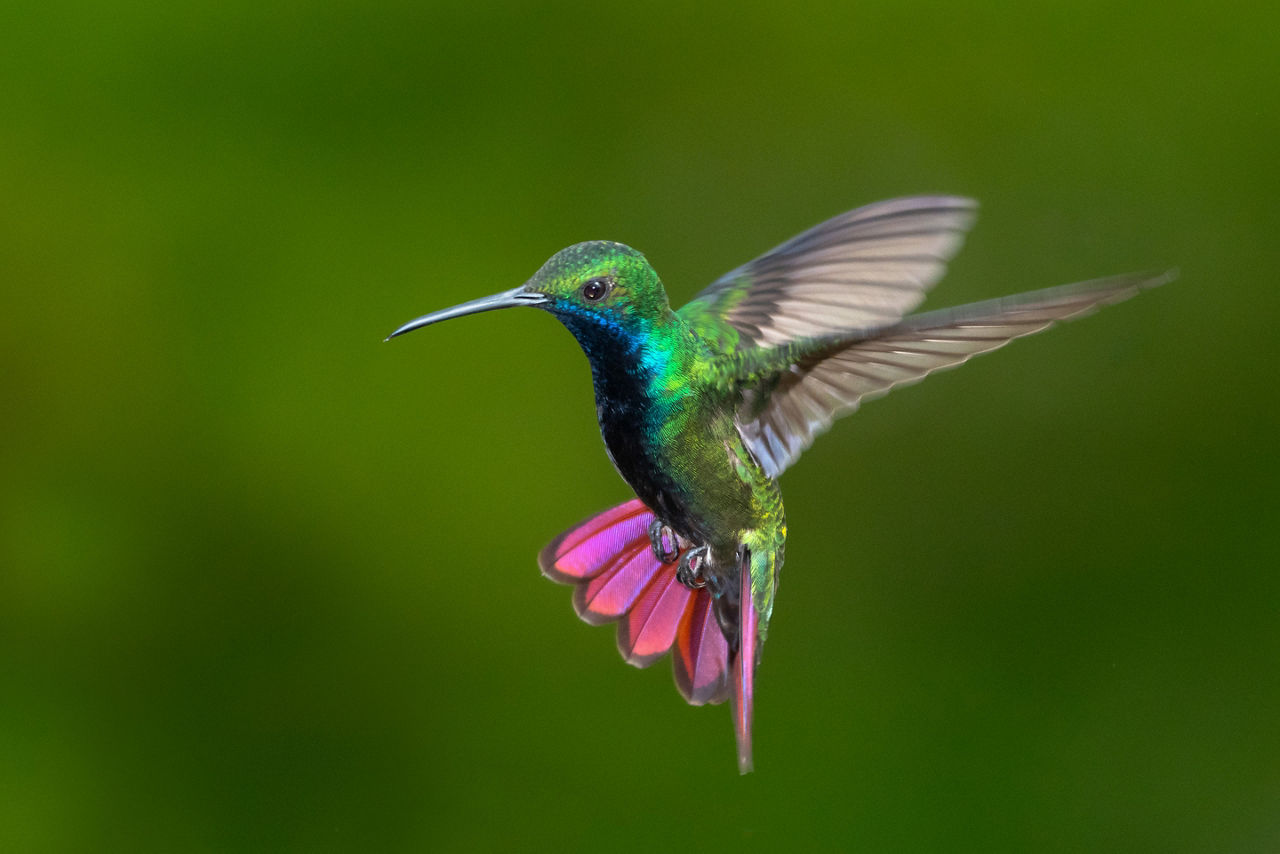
(668, 393)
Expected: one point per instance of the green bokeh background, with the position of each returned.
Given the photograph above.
(268, 584)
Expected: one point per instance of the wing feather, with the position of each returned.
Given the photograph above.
(840, 373)
(865, 268)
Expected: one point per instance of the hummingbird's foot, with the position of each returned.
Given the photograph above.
(666, 546)
(691, 572)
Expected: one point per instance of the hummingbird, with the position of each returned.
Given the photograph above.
(701, 409)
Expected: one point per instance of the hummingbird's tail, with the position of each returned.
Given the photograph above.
(610, 561)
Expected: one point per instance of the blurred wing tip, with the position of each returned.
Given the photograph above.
(1140, 278)
(1114, 289)
(1143, 279)
(1155, 279)
(961, 202)
(948, 200)
(959, 212)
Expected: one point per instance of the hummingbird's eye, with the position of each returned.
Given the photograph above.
(595, 289)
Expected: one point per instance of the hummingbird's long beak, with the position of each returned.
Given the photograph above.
(506, 299)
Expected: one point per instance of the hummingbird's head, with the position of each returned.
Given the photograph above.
(600, 284)
(594, 288)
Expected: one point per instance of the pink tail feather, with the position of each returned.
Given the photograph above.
(701, 660)
(744, 666)
(616, 576)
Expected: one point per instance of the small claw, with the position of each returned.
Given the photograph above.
(692, 563)
(666, 546)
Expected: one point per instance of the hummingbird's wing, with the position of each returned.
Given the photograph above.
(787, 404)
(863, 269)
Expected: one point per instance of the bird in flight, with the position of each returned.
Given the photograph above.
(703, 407)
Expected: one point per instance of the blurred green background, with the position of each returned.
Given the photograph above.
(268, 584)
